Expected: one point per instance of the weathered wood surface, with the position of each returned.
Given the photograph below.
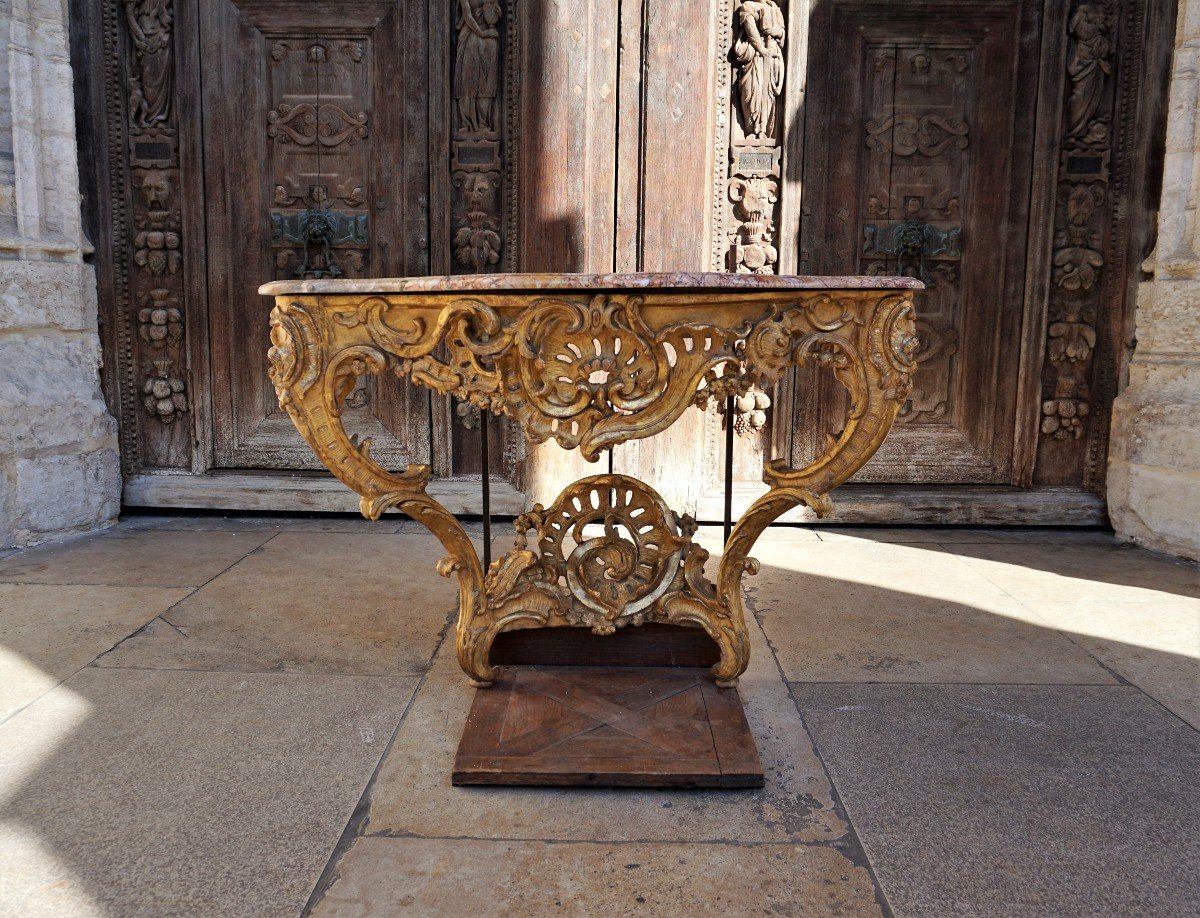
(269, 68)
(607, 727)
(630, 136)
(937, 135)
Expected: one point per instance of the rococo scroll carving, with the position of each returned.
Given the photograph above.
(590, 372)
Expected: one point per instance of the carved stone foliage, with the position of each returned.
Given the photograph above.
(751, 74)
(477, 167)
(1078, 262)
(149, 243)
(592, 371)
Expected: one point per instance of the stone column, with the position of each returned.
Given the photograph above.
(1154, 461)
(59, 470)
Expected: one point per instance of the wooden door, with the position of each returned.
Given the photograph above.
(918, 160)
(311, 112)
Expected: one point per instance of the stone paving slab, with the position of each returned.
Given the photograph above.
(860, 612)
(1155, 644)
(412, 793)
(49, 632)
(309, 602)
(117, 558)
(142, 793)
(1016, 800)
(408, 876)
(1058, 572)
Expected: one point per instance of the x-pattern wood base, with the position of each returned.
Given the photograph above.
(632, 727)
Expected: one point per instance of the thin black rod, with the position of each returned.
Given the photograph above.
(728, 467)
(486, 461)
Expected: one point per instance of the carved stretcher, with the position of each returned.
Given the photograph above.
(592, 361)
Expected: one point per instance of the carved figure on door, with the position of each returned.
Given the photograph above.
(1088, 66)
(477, 65)
(758, 52)
(150, 87)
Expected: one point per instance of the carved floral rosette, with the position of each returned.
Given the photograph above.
(591, 371)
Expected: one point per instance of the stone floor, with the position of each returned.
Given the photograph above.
(216, 716)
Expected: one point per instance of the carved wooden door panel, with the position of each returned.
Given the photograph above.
(918, 161)
(315, 162)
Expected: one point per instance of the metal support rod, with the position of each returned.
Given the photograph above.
(486, 461)
(728, 468)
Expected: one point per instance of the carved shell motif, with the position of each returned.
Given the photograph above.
(616, 542)
(600, 355)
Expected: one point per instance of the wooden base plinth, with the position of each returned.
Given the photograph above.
(607, 727)
(651, 644)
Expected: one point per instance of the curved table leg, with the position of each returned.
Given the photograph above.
(873, 361)
(313, 390)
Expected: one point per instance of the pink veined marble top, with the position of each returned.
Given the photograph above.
(518, 283)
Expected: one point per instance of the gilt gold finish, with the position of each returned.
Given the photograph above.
(593, 362)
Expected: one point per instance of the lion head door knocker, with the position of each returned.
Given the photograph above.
(911, 242)
(317, 229)
(910, 246)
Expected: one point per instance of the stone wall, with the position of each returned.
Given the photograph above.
(59, 470)
(1154, 462)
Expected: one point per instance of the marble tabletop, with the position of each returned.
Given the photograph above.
(516, 283)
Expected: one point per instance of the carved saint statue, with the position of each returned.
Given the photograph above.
(1088, 67)
(758, 52)
(476, 65)
(150, 86)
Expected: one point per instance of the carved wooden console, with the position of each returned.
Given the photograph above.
(593, 361)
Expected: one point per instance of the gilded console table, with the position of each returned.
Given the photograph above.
(593, 361)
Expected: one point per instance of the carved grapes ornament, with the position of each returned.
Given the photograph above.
(160, 322)
(592, 370)
(164, 394)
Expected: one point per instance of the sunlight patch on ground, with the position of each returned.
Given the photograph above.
(33, 882)
(20, 681)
